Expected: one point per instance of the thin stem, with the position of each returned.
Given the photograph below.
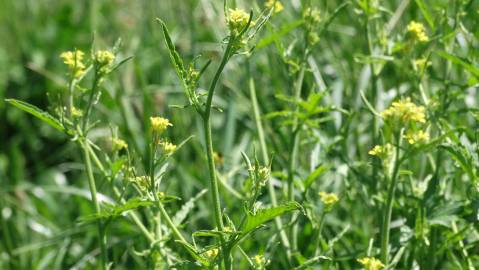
(93, 192)
(209, 150)
(264, 152)
(388, 208)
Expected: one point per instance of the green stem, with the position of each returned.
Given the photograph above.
(264, 152)
(209, 150)
(93, 192)
(388, 208)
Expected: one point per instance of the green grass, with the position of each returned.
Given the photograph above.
(266, 115)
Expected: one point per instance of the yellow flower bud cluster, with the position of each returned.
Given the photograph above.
(118, 144)
(237, 19)
(142, 182)
(418, 31)
(371, 263)
(212, 253)
(104, 59)
(167, 147)
(74, 62)
(275, 5)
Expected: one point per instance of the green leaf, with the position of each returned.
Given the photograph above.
(425, 12)
(458, 61)
(112, 211)
(186, 208)
(38, 113)
(174, 56)
(278, 34)
(264, 215)
(315, 174)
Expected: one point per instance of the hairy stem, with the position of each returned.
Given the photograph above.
(209, 151)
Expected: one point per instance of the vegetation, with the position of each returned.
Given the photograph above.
(247, 134)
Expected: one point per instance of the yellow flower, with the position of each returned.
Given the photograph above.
(329, 199)
(212, 253)
(260, 262)
(421, 63)
(76, 113)
(159, 124)
(237, 19)
(313, 15)
(227, 229)
(371, 263)
(168, 148)
(381, 151)
(104, 58)
(118, 144)
(405, 111)
(414, 137)
(418, 30)
(275, 4)
(74, 61)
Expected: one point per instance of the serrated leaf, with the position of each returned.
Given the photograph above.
(186, 208)
(264, 215)
(174, 56)
(38, 113)
(112, 211)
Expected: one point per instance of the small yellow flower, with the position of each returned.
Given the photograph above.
(159, 124)
(76, 113)
(276, 4)
(260, 262)
(74, 61)
(212, 253)
(104, 57)
(167, 147)
(405, 111)
(381, 151)
(418, 31)
(237, 19)
(371, 263)
(118, 144)
(329, 199)
(420, 64)
(415, 137)
(227, 229)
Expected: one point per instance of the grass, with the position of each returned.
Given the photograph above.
(326, 135)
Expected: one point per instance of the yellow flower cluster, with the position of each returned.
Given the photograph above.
(159, 124)
(418, 30)
(227, 229)
(329, 199)
(313, 15)
(237, 19)
(414, 137)
(212, 253)
(167, 147)
(381, 151)
(275, 4)
(104, 58)
(371, 263)
(405, 111)
(118, 144)
(74, 61)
